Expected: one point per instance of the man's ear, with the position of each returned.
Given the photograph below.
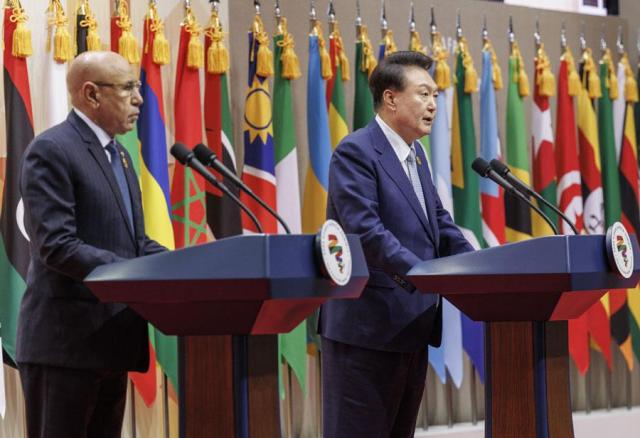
(389, 99)
(90, 94)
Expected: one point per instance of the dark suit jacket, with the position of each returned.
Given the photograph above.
(371, 195)
(76, 220)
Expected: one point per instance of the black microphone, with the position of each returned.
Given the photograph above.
(505, 172)
(484, 169)
(209, 158)
(188, 158)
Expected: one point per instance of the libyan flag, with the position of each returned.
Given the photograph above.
(14, 247)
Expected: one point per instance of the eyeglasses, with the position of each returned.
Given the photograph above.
(128, 87)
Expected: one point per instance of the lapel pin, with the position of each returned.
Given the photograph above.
(418, 160)
(125, 164)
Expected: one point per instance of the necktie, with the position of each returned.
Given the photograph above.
(118, 171)
(415, 179)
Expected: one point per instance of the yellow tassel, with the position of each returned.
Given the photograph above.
(161, 54)
(415, 43)
(630, 84)
(389, 44)
(442, 75)
(93, 40)
(547, 86)
(21, 47)
(21, 44)
(290, 63)
(496, 72)
(594, 87)
(470, 79)
(195, 52)
(574, 83)
(264, 65)
(344, 63)
(613, 87)
(62, 48)
(217, 58)
(325, 62)
(128, 47)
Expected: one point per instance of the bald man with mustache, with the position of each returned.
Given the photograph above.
(83, 209)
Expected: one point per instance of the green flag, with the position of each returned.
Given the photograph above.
(517, 213)
(292, 346)
(365, 63)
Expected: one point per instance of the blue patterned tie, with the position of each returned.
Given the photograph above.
(118, 171)
(415, 179)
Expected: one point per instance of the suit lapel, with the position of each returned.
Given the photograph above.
(390, 163)
(98, 153)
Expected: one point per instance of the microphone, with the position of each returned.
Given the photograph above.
(484, 169)
(209, 158)
(504, 171)
(187, 158)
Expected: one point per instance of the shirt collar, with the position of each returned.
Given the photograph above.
(400, 147)
(103, 137)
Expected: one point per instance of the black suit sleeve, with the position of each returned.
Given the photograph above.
(48, 192)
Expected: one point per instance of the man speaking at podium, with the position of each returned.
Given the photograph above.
(374, 349)
(82, 209)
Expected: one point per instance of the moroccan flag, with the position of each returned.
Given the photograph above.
(518, 214)
(569, 189)
(54, 57)
(336, 106)
(543, 160)
(259, 156)
(145, 383)
(292, 346)
(466, 191)
(449, 355)
(629, 189)
(491, 194)
(223, 215)
(365, 63)
(589, 152)
(14, 244)
(87, 37)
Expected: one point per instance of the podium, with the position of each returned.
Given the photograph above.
(242, 285)
(525, 292)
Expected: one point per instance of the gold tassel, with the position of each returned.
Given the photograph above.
(521, 75)
(325, 59)
(161, 53)
(127, 43)
(128, 47)
(93, 40)
(470, 74)
(195, 51)
(630, 84)
(342, 58)
(369, 61)
(574, 83)
(264, 56)
(544, 78)
(496, 72)
(415, 43)
(595, 90)
(591, 80)
(21, 44)
(442, 72)
(290, 62)
(611, 80)
(217, 53)
(90, 23)
(62, 48)
(389, 43)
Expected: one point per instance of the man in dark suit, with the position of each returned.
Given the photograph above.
(374, 349)
(82, 209)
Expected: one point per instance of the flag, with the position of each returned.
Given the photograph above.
(365, 63)
(188, 209)
(569, 189)
(466, 192)
(628, 89)
(518, 214)
(54, 53)
(87, 37)
(314, 203)
(259, 161)
(589, 151)
(336, 106)
(14, 244)
(449, 355)
(618, 310)
(491, 194)
(292, 346)
(223, 215)
(543, 161)
(121, 25)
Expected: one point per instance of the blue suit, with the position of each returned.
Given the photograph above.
(371, 195)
